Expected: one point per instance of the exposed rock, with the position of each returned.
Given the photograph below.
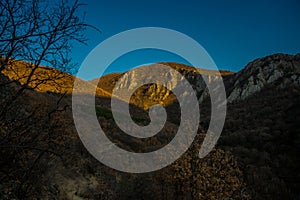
(279, 70)
(151, 94)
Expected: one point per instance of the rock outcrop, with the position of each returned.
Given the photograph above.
(151, 94)
(279, 71)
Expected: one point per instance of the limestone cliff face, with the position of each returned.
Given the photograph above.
(279, 70)
(151, 94)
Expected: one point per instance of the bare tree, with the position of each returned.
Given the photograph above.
(40, 33)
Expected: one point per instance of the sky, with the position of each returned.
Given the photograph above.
(233, 32)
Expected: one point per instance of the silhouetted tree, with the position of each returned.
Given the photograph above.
(40, 33)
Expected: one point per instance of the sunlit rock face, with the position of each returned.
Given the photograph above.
(279, 71)
(151, 94)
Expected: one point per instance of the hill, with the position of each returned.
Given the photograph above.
(256, 157)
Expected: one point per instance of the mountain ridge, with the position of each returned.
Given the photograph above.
(259, 73)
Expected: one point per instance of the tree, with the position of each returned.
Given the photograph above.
(40, 33)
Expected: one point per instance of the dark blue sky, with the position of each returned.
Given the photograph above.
(233, 32)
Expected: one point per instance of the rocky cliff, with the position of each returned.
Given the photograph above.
(151, 94)
(279, 71)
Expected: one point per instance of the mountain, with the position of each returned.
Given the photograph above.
(256, 156)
